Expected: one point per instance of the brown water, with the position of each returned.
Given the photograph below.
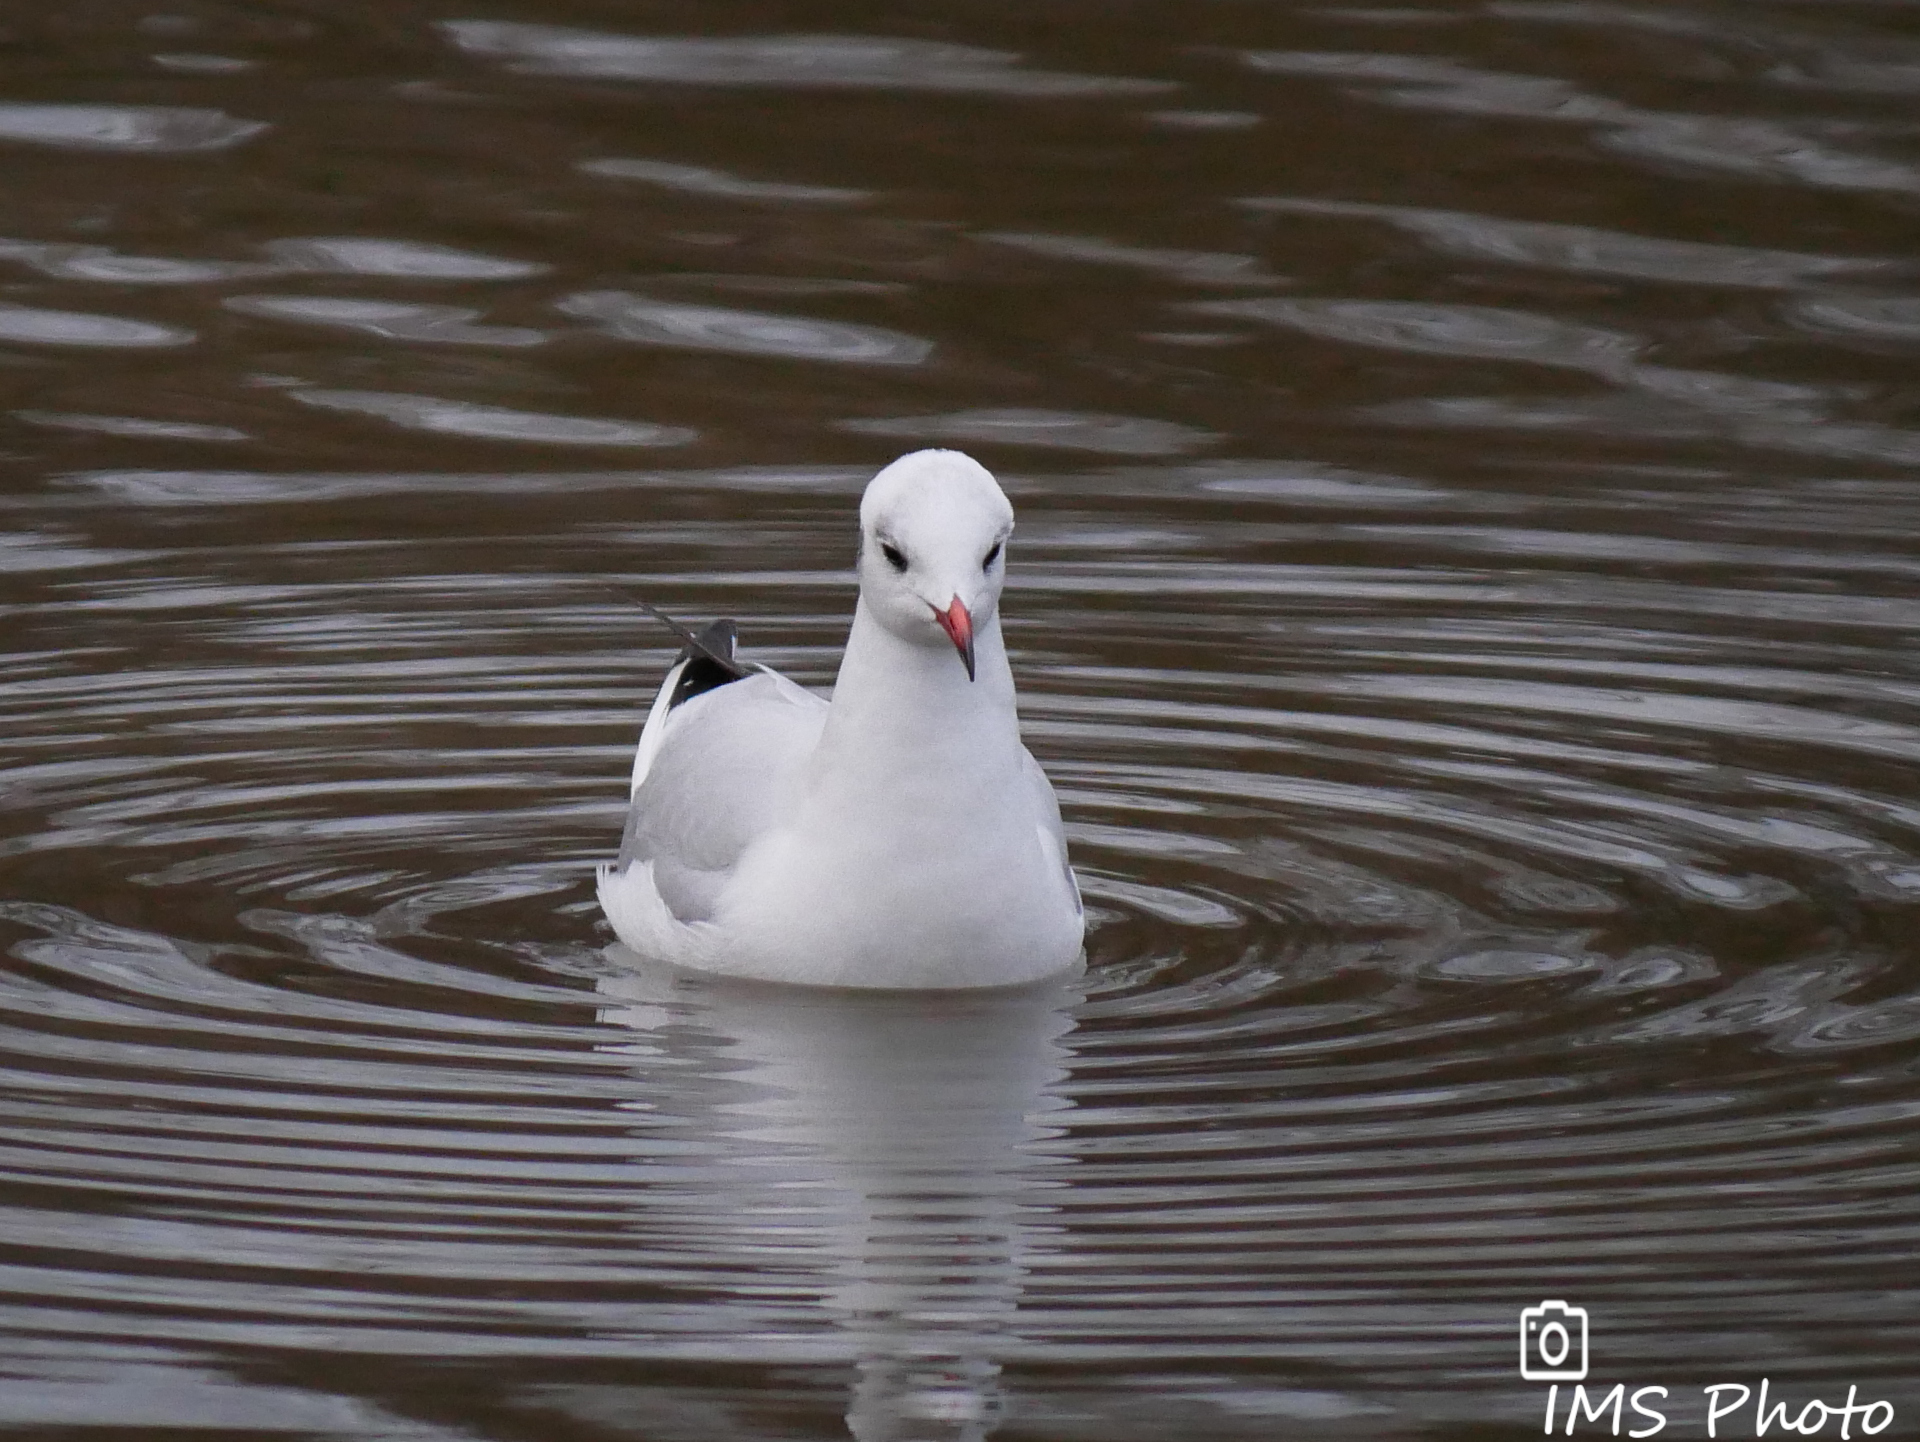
(1467, 593)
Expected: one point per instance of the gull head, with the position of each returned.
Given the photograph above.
(933, 549)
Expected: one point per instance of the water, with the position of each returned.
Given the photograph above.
(1465, 594)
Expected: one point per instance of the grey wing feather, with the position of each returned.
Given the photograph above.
(728, 765)
(1052, 829)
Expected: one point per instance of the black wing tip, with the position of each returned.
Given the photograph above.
(705, 668)
(708, 657)
(720, 639)
(714, 645)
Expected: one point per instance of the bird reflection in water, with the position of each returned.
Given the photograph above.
(894, 1140)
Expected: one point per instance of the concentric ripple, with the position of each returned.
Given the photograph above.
(1464, 932)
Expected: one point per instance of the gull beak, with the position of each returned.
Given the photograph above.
(957, 622)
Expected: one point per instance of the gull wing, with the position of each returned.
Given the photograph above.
(1053, 834)
(725, 766)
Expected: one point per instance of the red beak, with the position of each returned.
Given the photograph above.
(957, 622)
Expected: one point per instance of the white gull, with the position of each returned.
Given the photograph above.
(897, 836)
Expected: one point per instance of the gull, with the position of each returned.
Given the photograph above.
(899, 835)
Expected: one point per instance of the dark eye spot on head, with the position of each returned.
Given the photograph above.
(895, 558)
(992, 556)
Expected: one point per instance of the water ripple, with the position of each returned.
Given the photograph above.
(499, 423)
(1482, 332)
(701, 180)
(1414, 934)
(135, 426)
(386, 319)
(404, 259)
(1745, 147)
(1589, 250)
(340, 255)
(31, 325)
(1195, 267)
(1053, 430)
(632, 317)
(103, 264)
(152, 129)
(784, 61)
(1888, 319)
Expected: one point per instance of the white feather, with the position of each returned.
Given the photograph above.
(900, 836)
(655, 728)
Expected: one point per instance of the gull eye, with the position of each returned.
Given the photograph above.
(895, 558)
(992, 556)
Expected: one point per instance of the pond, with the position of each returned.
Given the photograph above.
(1466, 593)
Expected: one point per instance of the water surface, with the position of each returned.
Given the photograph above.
(1466, 595)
